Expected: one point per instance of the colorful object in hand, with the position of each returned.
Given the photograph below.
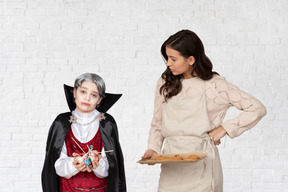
(80, 159)
(87, 161)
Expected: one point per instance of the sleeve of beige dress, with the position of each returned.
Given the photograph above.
(155, 140)
(252, 109)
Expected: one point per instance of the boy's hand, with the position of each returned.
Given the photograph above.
(95, 159)
(79, 166)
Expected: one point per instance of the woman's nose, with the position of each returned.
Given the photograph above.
(168, 63)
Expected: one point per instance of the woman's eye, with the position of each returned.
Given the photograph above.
(95, 96)
(82, 91)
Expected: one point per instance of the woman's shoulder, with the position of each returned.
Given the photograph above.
(160, 81)
(217, 78)
(217, 82)
(216, 90)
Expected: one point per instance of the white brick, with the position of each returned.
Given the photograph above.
(46, 44)
(5, 136)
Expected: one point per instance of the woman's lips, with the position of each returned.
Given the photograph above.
(86, 104)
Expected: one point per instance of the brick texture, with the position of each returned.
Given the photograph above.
(46, 43)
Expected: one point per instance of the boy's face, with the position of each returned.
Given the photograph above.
(87, 97)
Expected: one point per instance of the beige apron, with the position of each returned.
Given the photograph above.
(185, 125)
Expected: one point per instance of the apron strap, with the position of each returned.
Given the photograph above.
(210, 144)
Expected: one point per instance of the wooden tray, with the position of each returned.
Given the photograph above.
(184, 155)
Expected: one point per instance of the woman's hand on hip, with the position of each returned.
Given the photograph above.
(217, 134)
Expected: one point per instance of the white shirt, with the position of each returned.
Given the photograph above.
(64, 165)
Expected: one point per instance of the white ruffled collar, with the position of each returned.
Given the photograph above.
(85, 116)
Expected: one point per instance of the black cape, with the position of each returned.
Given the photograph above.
(110, 139)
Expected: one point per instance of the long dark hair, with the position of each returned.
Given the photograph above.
(188, 44)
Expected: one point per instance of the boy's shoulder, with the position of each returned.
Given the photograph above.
(63, 116)
(107, 118)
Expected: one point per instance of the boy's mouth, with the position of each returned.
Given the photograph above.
(86, 104)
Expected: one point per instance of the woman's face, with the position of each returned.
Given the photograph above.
(87, 97)
(178, 64)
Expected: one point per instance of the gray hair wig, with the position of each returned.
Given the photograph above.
(94, 78)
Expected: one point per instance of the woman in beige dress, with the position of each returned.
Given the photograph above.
(190, 104)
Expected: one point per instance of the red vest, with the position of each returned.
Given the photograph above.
(83, 181)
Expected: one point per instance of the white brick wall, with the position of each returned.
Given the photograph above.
(46, 43)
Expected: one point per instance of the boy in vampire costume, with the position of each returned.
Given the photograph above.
(83, 152)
